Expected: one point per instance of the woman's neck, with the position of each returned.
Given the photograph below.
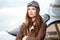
(33, 19)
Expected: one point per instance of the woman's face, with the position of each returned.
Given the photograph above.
(31, 11)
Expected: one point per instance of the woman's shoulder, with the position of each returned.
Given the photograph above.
(23, 25)
(44, 24)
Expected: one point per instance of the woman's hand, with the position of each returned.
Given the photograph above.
(24, 38)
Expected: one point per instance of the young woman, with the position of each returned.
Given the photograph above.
(34, 28)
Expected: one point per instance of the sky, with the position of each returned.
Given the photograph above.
(12, 12)
(17, 3)
(11, 4)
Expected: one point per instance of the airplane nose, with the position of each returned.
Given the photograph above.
(56, 1)
(55, 8)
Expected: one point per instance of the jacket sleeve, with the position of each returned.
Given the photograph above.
(20, 34)
(41, 34)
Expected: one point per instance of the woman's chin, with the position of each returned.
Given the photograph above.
(31, 16)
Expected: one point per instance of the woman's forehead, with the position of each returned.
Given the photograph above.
(31, 7)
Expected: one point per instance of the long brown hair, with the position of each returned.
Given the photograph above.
(38, 19)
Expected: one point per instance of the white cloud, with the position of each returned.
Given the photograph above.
(13, 10)
(14, 15)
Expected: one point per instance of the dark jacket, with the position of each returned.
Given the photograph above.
(39, 35)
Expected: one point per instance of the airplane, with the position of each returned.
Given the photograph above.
(54, 22)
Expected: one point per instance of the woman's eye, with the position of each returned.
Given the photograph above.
(33, 8)
(28, 9)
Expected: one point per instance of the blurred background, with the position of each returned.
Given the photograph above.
(12, 15)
